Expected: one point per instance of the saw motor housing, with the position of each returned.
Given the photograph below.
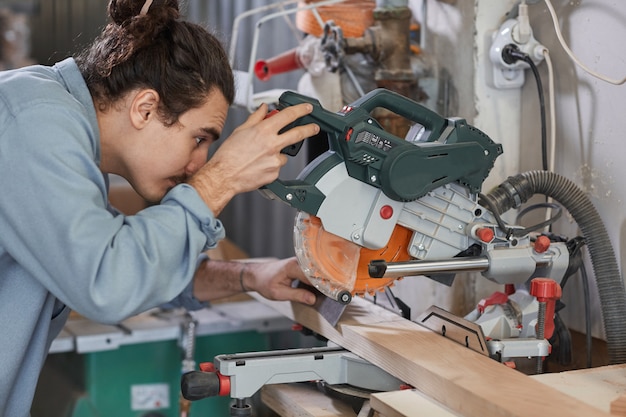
(445, 150)
(375, 196)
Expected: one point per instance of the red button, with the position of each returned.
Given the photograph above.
(485, 234)
(542, 243)
(207, 367)
(386, 212)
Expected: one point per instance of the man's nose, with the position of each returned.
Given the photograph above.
(198, 159)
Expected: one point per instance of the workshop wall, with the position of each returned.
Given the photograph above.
(60, 28)
(588, 139)
(456, 39)
(261, 227)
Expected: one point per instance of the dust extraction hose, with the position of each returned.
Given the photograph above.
(517, 190)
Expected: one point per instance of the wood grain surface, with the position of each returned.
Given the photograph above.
(464, 381)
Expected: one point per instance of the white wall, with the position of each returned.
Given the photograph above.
(589, 149)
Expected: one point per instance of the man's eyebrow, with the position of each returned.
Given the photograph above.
(211, 132)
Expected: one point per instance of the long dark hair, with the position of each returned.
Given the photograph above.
(182, 61)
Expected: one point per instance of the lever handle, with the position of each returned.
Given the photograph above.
(402, 106)
(196, 385)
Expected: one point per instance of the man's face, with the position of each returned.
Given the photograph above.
(171, 154)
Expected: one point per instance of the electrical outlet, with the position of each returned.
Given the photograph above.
(511, 75)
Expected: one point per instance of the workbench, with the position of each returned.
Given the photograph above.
(134, 368)
(449, 380)
(86, 336)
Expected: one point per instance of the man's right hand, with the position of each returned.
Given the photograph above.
(251, 157)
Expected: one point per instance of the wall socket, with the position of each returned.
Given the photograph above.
(511, 75)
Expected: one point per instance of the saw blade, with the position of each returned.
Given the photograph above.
(337, 267)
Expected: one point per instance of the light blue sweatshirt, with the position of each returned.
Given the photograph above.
(62, 247)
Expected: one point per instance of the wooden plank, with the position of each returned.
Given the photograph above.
(303, 400)
(407, 403)
(618, 406)
(599, 387)
(462, 380)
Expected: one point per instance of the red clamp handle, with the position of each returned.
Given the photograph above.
(494, 299)
(547, 291)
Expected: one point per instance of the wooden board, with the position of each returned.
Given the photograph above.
(408, 403)
(462, 380)
(599, 387)
(303, 401)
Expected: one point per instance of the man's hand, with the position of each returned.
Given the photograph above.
(272, 279)
(250, 157)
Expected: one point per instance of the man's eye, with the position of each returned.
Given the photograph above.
(199, 141)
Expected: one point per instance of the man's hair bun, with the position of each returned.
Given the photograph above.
(122, 12)
(149, 45)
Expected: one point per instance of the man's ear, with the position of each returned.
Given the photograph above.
(144, 107)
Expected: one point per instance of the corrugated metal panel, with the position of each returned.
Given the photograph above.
(61, 28)
(260, 226)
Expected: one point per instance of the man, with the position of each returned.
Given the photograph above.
(144, 101)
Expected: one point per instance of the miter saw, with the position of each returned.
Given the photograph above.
(376, 207)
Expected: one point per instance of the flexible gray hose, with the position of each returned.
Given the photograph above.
(517, 190)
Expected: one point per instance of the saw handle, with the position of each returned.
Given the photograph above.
(333, 123)
(328, 121)
(293, 149)
(402, 106)
(360, 109)
(336, 126)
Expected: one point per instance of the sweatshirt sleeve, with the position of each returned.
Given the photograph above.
(186, 299)
(54, 220)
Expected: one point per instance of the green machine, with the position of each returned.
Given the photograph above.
(134, 369)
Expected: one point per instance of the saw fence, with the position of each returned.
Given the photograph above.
(442, 371)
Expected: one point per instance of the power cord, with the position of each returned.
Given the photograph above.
(569, 52)
(552, 124)
(587, 302)
(510, 55)
(576, 264)
(510, 232)
(552, 105)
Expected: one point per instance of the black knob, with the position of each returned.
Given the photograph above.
(196, 385)
(377, 268)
